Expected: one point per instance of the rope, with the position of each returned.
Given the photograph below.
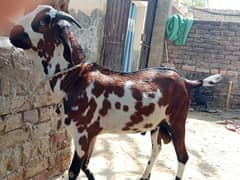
(41, 83)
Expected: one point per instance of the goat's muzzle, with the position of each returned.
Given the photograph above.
(19, 38)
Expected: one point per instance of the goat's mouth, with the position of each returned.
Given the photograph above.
(19, 38)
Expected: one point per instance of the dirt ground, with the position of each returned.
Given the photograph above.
(214, 153)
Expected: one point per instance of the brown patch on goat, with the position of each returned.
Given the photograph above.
(147, 126)
(118, 105)
(113, 88)
(20, 38)
(151, 95)
(137, 117)
(137, 94)
(77, 56)
(92, 131)
(105, 107)
(45, 48)
(125, 108)
(98, 89)
(118, 90)
(91, 107)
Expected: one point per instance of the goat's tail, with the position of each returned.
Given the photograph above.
(207, 82)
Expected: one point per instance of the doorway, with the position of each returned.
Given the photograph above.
(135, 31)
(128, 33)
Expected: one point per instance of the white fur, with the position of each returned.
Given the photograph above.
(180, 170)
(27, 20)
(75, 108)
(128, 84)
(156, 148)
(147, 99)
(57, 59)
(73, 130)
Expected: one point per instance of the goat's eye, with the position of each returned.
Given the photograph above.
(42, 23)
(45, 21)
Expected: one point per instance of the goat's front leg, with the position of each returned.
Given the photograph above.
(156, 147)
(81, 162)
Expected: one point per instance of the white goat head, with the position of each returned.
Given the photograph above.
(40, 33)
(35, 26)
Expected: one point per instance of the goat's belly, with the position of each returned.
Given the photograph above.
(133, 121)
(131, 111)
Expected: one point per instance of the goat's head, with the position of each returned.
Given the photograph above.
(41, 31)
(43, 22)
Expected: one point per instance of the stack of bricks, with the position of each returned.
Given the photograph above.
(212, 47)
(34, 144)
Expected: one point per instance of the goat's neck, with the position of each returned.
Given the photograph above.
(60, 60)
(76, 52)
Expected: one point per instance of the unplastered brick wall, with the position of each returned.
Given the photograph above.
(212, 47)
(33, 142)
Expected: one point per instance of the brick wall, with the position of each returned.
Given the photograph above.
(33, 142)
(212, 47)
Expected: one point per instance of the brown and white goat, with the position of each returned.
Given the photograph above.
(98, 100)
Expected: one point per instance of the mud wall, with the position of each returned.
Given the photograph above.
(91, 17)
(33, 142)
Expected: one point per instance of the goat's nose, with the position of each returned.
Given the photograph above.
(19, 38)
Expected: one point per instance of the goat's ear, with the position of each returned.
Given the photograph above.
(63, 33)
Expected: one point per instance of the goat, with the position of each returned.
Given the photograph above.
(97, 100)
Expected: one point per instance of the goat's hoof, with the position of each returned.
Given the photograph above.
(71, 176)
(148, 178)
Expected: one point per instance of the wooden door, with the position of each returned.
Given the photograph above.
(115, 33)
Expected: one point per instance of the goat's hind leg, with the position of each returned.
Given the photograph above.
(178, 134)
(156, 147)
